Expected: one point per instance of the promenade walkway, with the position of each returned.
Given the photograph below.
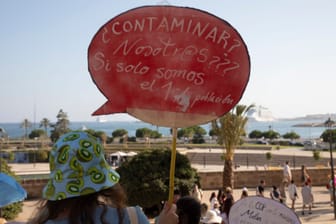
(322, 212)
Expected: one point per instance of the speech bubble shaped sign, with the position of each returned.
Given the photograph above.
(169, 66)
(256, 210)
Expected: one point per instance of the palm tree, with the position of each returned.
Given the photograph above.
(61, 127)
(62, 122)
(229, 128)
(26, 124)
(45, 123)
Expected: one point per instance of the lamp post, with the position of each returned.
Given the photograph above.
(2, 134)
(36, 148)
(329, 124)
(0, 154)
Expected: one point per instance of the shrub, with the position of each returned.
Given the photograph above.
(145, 178)
(268, 155)
(42, 155)
(10, 211)
(198, 139)
(316, 155)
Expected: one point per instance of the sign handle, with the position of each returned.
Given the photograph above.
(172, 167)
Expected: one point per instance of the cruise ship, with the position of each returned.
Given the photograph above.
(260, 113)
(101, 119)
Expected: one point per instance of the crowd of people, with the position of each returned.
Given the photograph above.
(288, 189)
(287, 193)
(83, 188)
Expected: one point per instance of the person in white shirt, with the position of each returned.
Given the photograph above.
(287, 174)
(213, 199)
(307, 198)
(292, 192)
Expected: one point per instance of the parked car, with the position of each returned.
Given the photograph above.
(310, 145)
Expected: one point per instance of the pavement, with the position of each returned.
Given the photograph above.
(322, 212)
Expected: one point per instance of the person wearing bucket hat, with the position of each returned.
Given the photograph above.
(83, 188)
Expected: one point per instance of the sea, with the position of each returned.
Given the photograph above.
(282, 126)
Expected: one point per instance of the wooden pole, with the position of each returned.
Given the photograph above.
(172, 167)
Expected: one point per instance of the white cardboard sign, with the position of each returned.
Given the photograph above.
(260, 210)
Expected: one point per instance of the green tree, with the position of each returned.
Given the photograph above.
(119, 133)
(155, 134)
(271, 134)
(256, 134)
(185, 133)
(45, 123)
(143, 132)
(189, 132)
(229, 128)
(61, 127)
(291, 135)
(327, 134)
(212, 133)
(37, 133)
(10, 211)
(26, 124)
(148, 174)
(197, 139)
(199, 130)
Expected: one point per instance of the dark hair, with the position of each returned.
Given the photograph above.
(244, 193)
(213, 195)
(82, 207)
(188, 210)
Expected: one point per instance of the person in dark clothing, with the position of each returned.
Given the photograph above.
(188, 210)
(260, 189)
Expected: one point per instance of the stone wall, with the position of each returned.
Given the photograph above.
(34, 187)
(213, 180)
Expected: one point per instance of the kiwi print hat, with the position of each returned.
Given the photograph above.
(77, 167)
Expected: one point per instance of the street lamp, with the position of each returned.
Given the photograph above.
(36, 138)
(329, 124)
(2, 134)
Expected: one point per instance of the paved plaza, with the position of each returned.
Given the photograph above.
(322, 212)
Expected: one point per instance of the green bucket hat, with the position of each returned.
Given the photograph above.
(78, 167)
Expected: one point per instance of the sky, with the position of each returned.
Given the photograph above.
(44, 44)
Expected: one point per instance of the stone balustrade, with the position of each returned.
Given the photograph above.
(213, 180)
